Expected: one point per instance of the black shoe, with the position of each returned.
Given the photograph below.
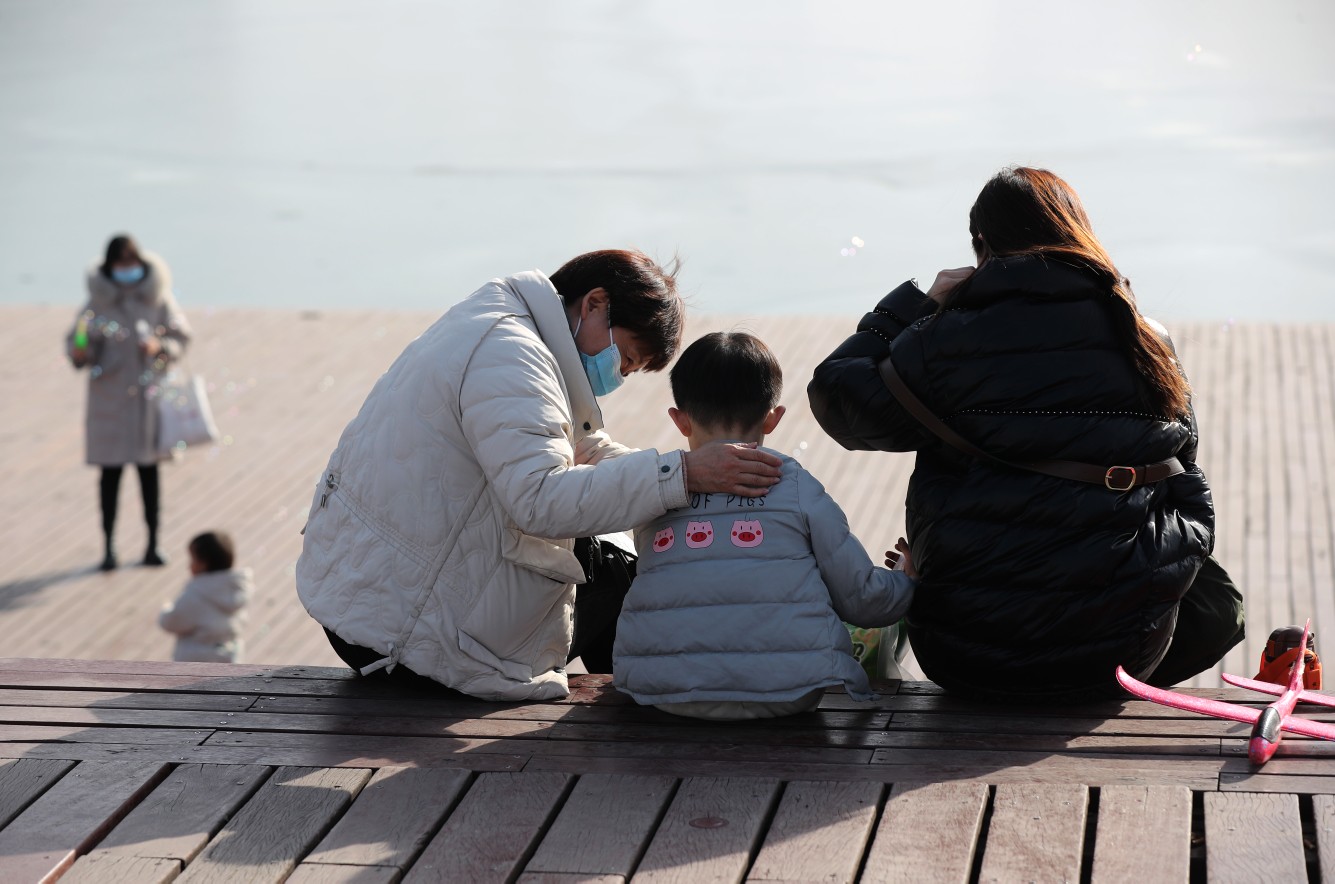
(109, 562)
(153, 558)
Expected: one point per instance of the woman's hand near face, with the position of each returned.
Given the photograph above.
(731, 468)
(151, 346)
(946, 281)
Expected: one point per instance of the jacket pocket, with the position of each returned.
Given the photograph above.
(541, 556)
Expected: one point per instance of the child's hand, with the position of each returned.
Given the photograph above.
(901, 559)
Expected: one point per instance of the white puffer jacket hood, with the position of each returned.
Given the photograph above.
(440, 533)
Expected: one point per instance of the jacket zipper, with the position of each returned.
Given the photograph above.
(330, 486)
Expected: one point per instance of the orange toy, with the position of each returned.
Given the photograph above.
(1281, 652)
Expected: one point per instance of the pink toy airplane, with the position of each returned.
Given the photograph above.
(1268, 724)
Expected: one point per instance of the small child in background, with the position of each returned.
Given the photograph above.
(207, 617)
(737, 609)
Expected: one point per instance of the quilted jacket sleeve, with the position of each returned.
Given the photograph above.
(516, 419)
(862, 593)
(848, 397)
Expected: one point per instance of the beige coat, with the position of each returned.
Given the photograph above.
(440, 532)
(122, 423)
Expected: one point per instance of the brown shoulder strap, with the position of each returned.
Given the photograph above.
(1114, 478)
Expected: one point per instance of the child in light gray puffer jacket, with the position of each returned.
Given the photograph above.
(738, 605)
(207, 617)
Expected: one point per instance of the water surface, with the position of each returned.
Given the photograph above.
(802, 157)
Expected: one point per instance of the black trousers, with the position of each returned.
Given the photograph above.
(110, 486)
(597, 607)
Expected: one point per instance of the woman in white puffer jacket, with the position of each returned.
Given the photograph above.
(440, 537)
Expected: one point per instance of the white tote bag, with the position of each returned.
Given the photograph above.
(184, 416)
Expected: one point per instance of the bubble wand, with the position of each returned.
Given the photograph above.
(81, 332)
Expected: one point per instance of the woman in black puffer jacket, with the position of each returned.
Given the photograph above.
(1035, 588)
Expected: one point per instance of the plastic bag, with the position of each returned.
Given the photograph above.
(879, 649)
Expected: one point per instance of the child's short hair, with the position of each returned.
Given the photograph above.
(727, 379)
(214, 549)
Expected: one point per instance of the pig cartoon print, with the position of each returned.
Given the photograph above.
(699, 534)
(663, 540)
(747, 534)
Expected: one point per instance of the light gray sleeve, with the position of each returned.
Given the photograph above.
(862, 593)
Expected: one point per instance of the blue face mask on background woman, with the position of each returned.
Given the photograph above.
(128, 275)
(604, 367)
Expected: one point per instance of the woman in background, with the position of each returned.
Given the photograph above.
(127, 335)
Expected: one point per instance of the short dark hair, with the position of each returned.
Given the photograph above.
(642, 296)
(727, 379)
(214, 549)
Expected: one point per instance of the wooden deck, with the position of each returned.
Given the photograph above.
(286, 382)
(136, 771)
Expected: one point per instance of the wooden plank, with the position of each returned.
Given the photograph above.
(1277, 783)
(260, 721)
(272, 831)
(465, 754)
(1288, 763)
(492, 832)
(710, 831)
(623, 810)
(1253, 837)
(927, 834)
(72, 815)
(325, 873)
(392, 818)
(1292, 747)
(818, 833)
(750, 735)
(1144, 834)
(162, 667)
(184, 812)
(438, 707)
(1323, 812)
(410, 745)
(112, 869)
(1012, 767)
(39, 733)
(567, 878)
(1037, 833)
(21, 781)
(1007, 723)
(1048, 743)
(124, 700)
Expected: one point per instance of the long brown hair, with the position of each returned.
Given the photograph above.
(1024, 211)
